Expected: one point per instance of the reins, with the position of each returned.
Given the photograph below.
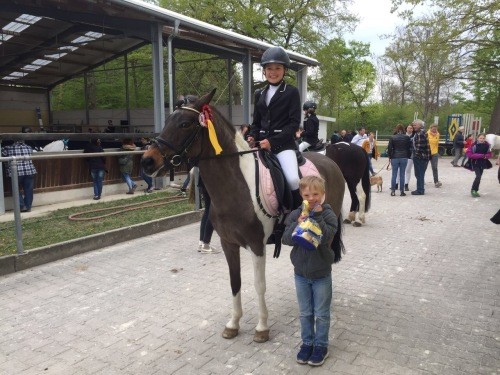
(180, 155)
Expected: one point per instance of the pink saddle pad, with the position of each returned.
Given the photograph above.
(266, 187)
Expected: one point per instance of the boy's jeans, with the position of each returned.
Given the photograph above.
(315, 298)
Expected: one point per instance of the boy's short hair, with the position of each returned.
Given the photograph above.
(314, 182)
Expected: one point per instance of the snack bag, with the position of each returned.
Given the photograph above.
(307, 233)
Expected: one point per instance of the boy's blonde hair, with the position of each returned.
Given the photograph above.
(312, 182)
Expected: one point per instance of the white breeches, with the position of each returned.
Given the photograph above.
(288, 162)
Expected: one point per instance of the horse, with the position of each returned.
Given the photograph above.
(353, 163)
(230, 179)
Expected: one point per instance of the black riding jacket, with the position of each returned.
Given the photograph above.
(311, 129)
(279, 121)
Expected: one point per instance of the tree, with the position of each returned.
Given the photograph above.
(301, 25)
(472, 35)
(346, 78)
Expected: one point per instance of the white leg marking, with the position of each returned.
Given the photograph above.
(237, 313)
(259, 268)
(362, 199)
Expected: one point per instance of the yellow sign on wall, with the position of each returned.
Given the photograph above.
(453, 127)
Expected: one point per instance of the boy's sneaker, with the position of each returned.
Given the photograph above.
(438, 184)
(474, 193)
(317, 358)
(304, 354)
(209, 249)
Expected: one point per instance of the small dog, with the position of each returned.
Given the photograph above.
(376, 180)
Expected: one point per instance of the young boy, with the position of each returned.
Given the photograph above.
(313, 273)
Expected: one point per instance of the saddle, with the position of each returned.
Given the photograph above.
(274, 195)
(281, 187)
(319, 146)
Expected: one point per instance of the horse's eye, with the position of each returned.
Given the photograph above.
(184, 124)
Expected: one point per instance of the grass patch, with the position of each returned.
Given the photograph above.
(56, 227)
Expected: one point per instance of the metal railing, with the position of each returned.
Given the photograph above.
(13, 160)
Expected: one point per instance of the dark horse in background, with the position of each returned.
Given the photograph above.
(230, 179)
(353, 163)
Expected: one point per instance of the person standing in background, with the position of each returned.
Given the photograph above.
(370, 146)
(26, 172)
(126, 163)
(421, 156)
(433, 137)
(97, 165)
(399, 150)
(458, 145)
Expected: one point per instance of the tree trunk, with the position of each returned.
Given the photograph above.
(495, 118)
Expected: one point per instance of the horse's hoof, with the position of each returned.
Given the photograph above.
(347, 221)
(261, 336)
(356, 224)
(229, 333)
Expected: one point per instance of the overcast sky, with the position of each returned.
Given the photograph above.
(375, 19)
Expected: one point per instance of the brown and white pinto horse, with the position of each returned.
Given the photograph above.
(230, 181)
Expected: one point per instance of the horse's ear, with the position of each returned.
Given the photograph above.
(205, 99)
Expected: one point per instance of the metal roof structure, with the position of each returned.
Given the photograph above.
(46, 42)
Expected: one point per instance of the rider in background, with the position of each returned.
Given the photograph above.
(311, 126)
(277, 117)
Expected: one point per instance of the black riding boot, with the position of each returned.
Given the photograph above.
(297, 199)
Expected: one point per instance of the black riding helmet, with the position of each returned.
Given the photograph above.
(309, 105)
(275, 55)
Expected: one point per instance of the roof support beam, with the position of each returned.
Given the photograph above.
(158, 77)
(302, 83)
(247, 87)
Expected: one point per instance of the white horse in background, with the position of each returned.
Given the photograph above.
(56, 146)
(494, 141)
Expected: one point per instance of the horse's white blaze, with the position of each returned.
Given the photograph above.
(237, 313)
(259, 270)
(362, 200)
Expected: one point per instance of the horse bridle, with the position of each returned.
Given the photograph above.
(180, 155)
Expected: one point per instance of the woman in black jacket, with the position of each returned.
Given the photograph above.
(97, 166)
(277, 117)
(399, 151)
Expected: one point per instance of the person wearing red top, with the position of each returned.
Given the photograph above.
(468, 142)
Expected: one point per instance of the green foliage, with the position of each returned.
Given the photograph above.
(301, 25)
(346, 80)
(470, 30)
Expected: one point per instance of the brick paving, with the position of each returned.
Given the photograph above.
(416, 293)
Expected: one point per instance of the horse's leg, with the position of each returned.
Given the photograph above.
(361, 213)
(259, 270)
(351, 217)
(232, 253)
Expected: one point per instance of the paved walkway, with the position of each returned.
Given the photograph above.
(417, 293)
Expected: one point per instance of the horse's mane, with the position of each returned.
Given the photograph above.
(223, 122)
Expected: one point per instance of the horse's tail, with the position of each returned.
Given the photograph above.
(365, 183)
(337, 245)
(191, 196)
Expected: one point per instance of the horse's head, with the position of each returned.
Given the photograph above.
(181, 139)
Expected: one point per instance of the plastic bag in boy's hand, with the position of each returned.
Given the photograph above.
(307, 233)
